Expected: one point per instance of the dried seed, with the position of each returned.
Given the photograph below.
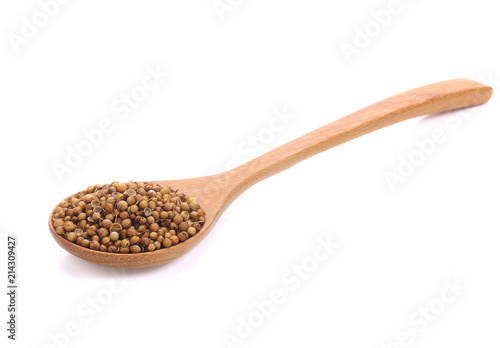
(133, 217)
(115, 227)
(114, 236)
(135, 249)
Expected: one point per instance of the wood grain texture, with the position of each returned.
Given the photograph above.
(216, 192)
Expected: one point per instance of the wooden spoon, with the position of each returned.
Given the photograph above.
(216, 192)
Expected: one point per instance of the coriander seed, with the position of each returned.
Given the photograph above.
(106, 223)
(167, 243)
(133, 217)
(177, 219)
(134, 240)
(183, 236)
(121, 188)
(134, 209)
(174, 239)
(135, 249)
(126, 223)
(114, 236)
(191, 231)
(122, 205)
(69, 226)
(115, 227)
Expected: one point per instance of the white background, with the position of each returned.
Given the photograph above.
(397, 248)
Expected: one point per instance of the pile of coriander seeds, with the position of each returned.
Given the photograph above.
(128, 218)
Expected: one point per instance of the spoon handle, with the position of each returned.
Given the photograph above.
(433, 98)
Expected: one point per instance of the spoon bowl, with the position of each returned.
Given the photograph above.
(209, 195)
(216, 192)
